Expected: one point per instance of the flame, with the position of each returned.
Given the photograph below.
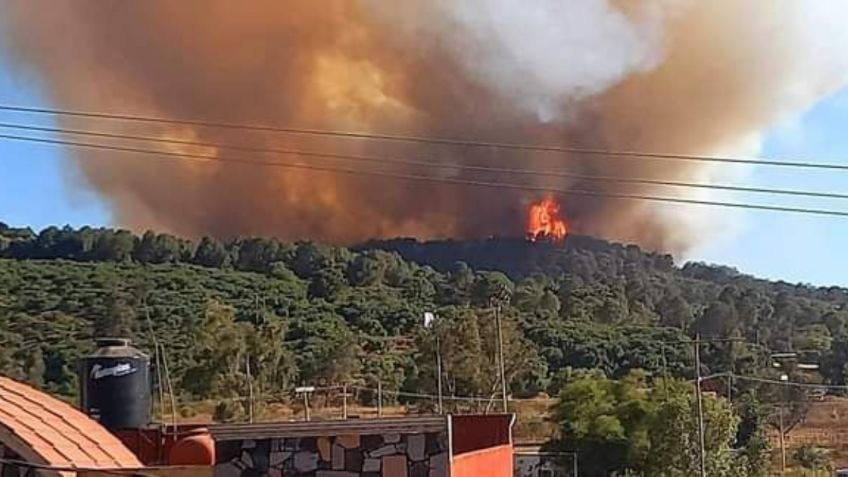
(544, 222)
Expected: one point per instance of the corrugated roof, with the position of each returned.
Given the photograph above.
(45, 430)
(405, 425)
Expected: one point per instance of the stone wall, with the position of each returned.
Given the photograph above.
(385, 455)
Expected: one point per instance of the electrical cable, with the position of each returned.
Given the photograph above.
(432, 164)
(442, 180)
(428, 140)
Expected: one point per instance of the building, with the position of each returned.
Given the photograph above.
(39, 432)
(435, 446)
(116, 437)
(42, 430)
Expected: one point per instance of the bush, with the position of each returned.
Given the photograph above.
(812, 457)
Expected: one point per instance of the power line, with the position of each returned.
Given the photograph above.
(833, 387)
(432, 397)
(630, 154)
(427, 396)
(467, 398)
(429, 164)
(440, 180)
(754, 379)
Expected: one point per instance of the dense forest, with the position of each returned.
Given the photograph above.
(318, 314)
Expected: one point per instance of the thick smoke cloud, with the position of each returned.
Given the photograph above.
(681, 76)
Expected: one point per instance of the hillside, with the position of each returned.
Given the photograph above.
(310, 313)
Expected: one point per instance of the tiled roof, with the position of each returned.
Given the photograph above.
(47, 431)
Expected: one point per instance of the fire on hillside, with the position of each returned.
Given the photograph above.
(544, 221)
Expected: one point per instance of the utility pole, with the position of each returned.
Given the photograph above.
(501, 359)
(380, 398)
(699, 397)
(574, 461)
(785, 378)
(431, 321)
(439, 372)
(249, 390)
(157, 358)
(786, 361)
(696, 343)
(344, 401)
(730, 387)
(665, 370)
(258, 309)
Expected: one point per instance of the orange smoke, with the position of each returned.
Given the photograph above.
(680, 76)
(544, 221)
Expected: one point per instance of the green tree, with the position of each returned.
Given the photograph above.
(221, 346)
(492, 288)
(161, 248)
(717, 320)
(327, 351)
(258, 254)
(528, 295)
(326, 284)
(812, 457)
(117, 320)
(457, 289)
(751, 436)
(674, 433)
(629, 426)
(375, 267)
(675, 311)
(606, 422)
(33, 365)
(272, 361)
(113, 246)
(468, 347)
(210, 253)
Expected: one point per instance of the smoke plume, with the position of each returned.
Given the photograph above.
(682, 76)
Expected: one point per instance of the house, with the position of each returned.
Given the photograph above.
(433, 446)
(43, 431)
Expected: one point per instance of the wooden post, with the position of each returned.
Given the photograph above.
(379, 398)
(344, 401)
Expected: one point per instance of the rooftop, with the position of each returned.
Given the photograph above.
(44, 430)
(404, 425)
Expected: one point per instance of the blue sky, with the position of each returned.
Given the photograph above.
(795, 248)
(36, 189)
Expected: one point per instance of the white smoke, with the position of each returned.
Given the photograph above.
(542, 57)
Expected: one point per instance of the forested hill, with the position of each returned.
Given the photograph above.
(519, 258)
(310, 313)
(584, 256)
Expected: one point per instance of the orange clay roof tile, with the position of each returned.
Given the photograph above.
(58, 433)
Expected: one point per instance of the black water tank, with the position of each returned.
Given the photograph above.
(115, 385)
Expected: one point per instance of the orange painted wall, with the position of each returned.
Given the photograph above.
(491, 462)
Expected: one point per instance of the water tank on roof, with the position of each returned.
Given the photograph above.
(115, 386)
